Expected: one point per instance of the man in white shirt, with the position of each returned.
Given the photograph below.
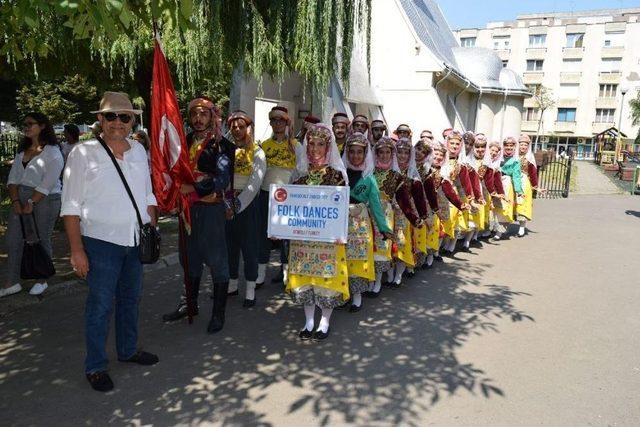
(103, 231)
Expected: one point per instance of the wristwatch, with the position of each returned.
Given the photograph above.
(30, 201)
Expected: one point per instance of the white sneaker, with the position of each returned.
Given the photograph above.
(5, 292)
(38, 288)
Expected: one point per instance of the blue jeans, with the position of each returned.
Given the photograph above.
(115, 273)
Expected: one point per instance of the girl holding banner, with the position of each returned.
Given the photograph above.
(358, 159)
(318, 271)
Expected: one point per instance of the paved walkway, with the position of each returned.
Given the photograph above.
(535, 331)
(591, 180)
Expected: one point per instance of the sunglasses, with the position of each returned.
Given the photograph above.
(124, 118)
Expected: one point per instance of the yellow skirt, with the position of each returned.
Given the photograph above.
(478, 217)
(433, 235)
(459, 219)
(504, 211)
(404, 239)
(420, 239)
(449, 226)
(383, 247)
(526, 208)
(360, 261)
(311, 258)
(487, 211)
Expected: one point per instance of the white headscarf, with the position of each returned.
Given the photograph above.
(428, 161)
(529, 156)
(412, 170)
(369, 163)
(333, 155)
(493, 164)
(387, 141)
(445, 169)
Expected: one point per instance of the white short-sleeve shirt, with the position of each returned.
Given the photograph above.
(93, 190)
(42, 172)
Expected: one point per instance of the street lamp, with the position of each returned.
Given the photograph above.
(623, 90)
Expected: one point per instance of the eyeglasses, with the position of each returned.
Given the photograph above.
(124, 118)
(27, 125)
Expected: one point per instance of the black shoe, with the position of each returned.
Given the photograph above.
(446, 253)
(305, 335)
(410, 274)
(319, 335)
(233, 294)
(394, 285)
(371, 294)
(438, 258)
(100, 381)
(426, 266)
(219, 304)
(355, 308)
(476, 244)
(343, 305)
(142, 358)
(259, 285)
(178, 313)
(248, 303)
(279, 278)
(465, 250)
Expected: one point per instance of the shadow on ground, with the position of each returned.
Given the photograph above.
(382, 365)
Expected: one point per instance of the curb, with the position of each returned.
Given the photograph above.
(69, 287)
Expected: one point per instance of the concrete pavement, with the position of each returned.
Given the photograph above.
(592, 180)
(535, 331)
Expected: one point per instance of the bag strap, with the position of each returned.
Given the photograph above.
(35, 226)
(124, 180)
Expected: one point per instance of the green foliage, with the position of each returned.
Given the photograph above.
(203, 39)
(64, 101)
(635, 109)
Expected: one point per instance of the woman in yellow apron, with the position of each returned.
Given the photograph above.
(529, 172)
(317, 270)
(364, 207)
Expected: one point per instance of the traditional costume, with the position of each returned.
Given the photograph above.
(360, 123)
(211, 157)
(512, 186)
(377, 127)
(249, 170)
(529, 182)
(364, 203)
(395, 195)
(318, 271)
(280, 154)
(414, 250)
(430, 232)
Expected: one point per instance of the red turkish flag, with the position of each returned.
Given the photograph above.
(168, 151)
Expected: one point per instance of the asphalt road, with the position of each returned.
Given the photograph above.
(535, 331)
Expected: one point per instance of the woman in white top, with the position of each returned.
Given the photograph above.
(34, 187)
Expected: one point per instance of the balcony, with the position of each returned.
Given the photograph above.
(536, 52)
(572, 52)
(610, 77)
(598, 127)
(570, 77)
(533, 77)
(503, 53)
(610, 103)
(612, 52)
(565, 127)
(530, 103)
(567, 103)
(529, 126)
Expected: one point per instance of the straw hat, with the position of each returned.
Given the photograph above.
(116, 102)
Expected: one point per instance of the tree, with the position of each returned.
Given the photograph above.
(64, 101)
(543, 98)
(311, 37)
(635, 114)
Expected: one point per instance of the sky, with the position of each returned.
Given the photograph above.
(476, 13)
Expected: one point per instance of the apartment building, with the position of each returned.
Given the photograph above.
(589, 60)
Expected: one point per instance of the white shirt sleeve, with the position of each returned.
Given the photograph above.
(151, 198)
(53, 164)
(255, 180)
(73, 184)
(15, 175)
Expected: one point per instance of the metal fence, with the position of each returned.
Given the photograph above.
(555, 178)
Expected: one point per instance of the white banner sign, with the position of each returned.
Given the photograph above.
(308, 212)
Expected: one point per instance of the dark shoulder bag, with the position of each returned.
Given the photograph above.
(36, 262)
(149, 241)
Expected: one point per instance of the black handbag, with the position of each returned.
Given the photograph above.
(149, 241)
(36, 262)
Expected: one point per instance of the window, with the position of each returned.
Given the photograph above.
(501, 42)
(467, 41)
(505, 63)
(614, 39)
(569, 91)
(608, 91)
(611, 65)
(605, 115)
(566, 114)
(537, 40)
(571, 65)
(531, 114)
(575, 39)
(534, 88)
(534, 64)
